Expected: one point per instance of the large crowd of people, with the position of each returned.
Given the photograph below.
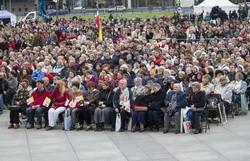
(144, 69)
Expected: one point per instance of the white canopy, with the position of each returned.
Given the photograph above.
(7, 15)
(207, 6)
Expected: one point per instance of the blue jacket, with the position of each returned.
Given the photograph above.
(116, 98)
(181, 99)
(37, 75)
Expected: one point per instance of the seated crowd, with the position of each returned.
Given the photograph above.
(144, 69)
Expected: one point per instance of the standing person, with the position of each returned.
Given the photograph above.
(20, 102)
(60, 96)
(3, 90)
(36, 107)
(13, 82)
(120, 105)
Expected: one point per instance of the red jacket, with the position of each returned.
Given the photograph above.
(48, 75)
(39, 97)
(59, 100)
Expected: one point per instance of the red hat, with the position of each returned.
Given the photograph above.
(90, 84)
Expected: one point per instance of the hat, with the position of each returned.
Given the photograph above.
(40, 81)
(90, 84)
(226, 69)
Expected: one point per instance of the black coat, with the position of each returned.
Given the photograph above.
(4, 86)
(106, 96)
(156, 100)
(198, 100)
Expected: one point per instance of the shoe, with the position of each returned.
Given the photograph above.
(49, 128)
(121, 130)
(142, 127)
(133, 129)
(30, 126)
(1, 112)
(10, 126)
(78, 128)
(196, 132)
(177, 131)
(89, 127)
(200, 131)
(39, 127)
(16, 126)
(97, 127)
(72, 128)
(101, 126)
(165, 131)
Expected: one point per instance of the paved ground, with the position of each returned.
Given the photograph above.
(221, 143)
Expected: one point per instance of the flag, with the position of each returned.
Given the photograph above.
(98, 25)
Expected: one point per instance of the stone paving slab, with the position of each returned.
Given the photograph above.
(230, 142)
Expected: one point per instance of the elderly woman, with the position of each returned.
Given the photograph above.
(139, 115)
(197, 101)
(105, 103)
(138, 89)
(239, 93)
(225, 90)
(206, 85)
(155, 103)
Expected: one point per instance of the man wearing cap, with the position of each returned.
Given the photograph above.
(36, 107)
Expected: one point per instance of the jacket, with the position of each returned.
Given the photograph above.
(91, 97)
(59, 100)
(21, 97)
(181, 99)
(105, 96)
(225, 92)
(4, 86)
(157, 99)
(72, 97)
(116, 98)
(198, 99)
(37, 75)
(39, 97)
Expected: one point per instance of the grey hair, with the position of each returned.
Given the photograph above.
(196, 84)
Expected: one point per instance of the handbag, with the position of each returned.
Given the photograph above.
(118, 122)
(140, 107)
(67, 121)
